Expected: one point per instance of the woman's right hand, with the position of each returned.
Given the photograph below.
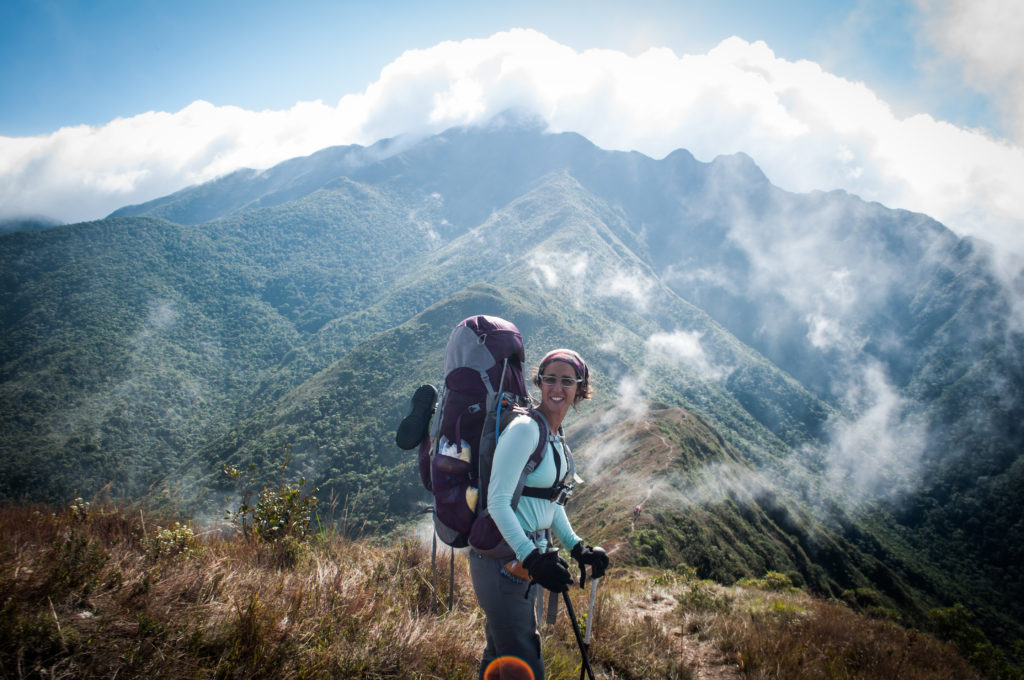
(549, 570)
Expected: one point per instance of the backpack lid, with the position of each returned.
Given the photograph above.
(482, 342)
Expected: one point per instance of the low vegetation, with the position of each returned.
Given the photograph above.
(101, 591)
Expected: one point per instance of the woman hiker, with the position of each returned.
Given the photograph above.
(511, 626)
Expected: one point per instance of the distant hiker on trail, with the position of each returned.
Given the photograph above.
(501, 585)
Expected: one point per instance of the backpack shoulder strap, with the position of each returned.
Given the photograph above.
(542, 425)
(535, 458)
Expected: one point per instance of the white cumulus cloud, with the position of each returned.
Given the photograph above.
(807, 128)
(985, 37)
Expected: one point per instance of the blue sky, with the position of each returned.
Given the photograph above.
(79, 62)
(918, 104)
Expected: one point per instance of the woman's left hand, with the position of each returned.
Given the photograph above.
(596, 557)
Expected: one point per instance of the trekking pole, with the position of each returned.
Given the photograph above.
(433, 561)
(590, 620)
(579, 638)
(451, 580)
(433, 570)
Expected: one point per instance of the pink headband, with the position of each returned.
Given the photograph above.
(567, 356)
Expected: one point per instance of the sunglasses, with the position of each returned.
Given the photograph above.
(565, 381)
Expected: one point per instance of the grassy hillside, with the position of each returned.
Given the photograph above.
(102, 591)
(665, 489)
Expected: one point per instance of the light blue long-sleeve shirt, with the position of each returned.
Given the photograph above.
(518, 440)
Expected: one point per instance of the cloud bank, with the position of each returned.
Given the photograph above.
(983, 37)
(808, 129)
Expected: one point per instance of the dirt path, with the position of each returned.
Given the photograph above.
(701, 656)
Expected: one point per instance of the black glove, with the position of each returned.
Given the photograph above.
(597, 558)
(549, 570)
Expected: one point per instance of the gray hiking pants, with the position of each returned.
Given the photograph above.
(511, 624)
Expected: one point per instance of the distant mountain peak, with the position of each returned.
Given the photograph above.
(740, 166)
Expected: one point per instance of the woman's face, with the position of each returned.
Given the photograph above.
(558, 397)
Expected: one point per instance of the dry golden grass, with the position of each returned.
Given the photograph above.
(105, 592)
(798, 637)
(87, 595)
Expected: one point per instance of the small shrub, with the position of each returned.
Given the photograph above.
(79, 509)
(703, 596)
(286, 510)
(772, 580)
(174, 541)
(673, 577)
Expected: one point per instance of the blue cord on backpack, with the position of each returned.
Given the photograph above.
(497, 422)
(501, 398)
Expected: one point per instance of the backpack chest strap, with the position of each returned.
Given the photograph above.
(560, 491)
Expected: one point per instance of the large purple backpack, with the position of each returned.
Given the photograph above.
(483, 389)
